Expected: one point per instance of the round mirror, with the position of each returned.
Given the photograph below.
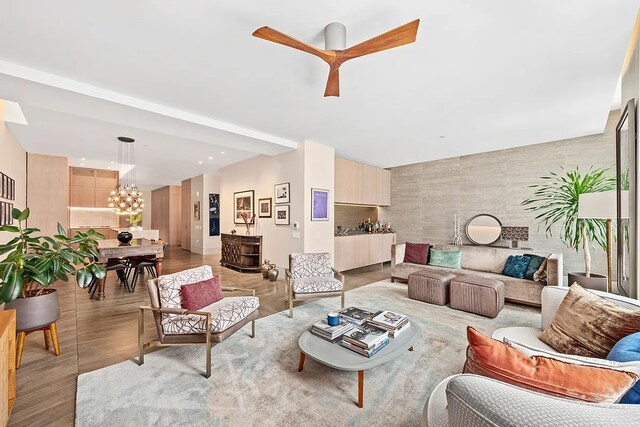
(483, 229)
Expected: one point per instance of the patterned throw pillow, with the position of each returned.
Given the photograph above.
(416, 253)
(201, 294)
(589, 325)
(169, 285)
(494, 359)
(534, 265)
(450, 259)
(627, 350)
(516, 266)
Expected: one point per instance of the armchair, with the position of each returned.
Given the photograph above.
(311, 274)
(179, 326)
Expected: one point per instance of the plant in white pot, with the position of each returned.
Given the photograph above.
(555, 200)
(33, 263)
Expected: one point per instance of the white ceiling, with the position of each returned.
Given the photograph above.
(187, 79)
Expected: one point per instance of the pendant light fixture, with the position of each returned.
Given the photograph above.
(126, 199)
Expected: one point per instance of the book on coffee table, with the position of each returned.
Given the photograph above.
(362, 351)
(392, 322)
(356, 315)
(330, 333)
(365, 336)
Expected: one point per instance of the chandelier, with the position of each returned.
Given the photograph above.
(126, 199)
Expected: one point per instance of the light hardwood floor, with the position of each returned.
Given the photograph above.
(96, 334)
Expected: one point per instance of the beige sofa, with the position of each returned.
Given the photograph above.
(486, 261)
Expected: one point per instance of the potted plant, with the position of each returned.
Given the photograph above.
(556, 202)
(33, 263)
(134, 220)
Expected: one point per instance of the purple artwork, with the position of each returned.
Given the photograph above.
(320, 206)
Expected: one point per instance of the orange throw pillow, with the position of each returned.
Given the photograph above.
(495, 359)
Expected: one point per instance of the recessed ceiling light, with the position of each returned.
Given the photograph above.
(210, 157)
(222, 152)
(81, 164)
(113, 163)
(442, 137)
(199, 162)
(83, 159)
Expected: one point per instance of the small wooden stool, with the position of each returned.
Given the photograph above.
(50, 335)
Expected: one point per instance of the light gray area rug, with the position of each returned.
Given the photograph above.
(254, 382)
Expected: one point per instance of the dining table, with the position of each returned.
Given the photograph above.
(113, 248)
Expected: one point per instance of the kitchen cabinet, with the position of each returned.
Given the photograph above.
(83, 197)
(90, 188)
(361, 250)
(357, 183)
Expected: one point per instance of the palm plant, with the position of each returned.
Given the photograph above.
(33, 263)
(556, 201)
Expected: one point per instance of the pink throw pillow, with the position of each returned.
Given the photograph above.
(201, 294)
(416, 253)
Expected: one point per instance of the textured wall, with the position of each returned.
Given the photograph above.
(425, 196)
(350, 216)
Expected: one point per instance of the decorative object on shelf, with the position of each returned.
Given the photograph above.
(556, 199)
(124, 237)
(273, 273)
(214, 214)
(264, 207)
(233, 231)
(282, 215)
(483, 229)
(319, 205)
(281, 192)
(242, 203)
(265, 269)
(457, 240)
(126, 198)
(196, 211)
(515, 234)
(248, 222)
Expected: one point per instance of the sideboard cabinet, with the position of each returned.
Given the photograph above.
(241, 252)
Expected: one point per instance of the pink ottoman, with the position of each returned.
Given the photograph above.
(477, 295)
(430, 286)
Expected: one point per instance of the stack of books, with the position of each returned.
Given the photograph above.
(365, 339)
(356, 315)
(393, 323)
(331, 333)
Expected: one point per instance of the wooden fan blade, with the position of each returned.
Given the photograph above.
(333, 83)
(275, 36)
(402, 35)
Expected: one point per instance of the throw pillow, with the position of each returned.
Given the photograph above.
(451, 259)
(516, 266)
(628, 350)
(201, 294)
(534, 265)
(495, 359)
(589, 325)
(416, 253)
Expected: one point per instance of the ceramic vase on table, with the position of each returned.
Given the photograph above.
(264, 269)
(273, 273)
(124, 237)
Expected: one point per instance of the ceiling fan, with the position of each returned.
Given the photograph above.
(335, 53)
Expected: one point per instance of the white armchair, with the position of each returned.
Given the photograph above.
(311, 274)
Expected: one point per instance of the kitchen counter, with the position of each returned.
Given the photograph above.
(357, 233)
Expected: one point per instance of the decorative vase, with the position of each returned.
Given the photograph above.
(265, 269)
(596, 282)
(273, 273)
(248, 231)
(457, 240)
(35, 312)
(124, 237)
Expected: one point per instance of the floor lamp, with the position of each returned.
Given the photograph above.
(602, 205)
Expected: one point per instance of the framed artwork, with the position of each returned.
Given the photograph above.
(9, 213)
(242, 203)
(2, 213)
(214, 214)
(319, 205)
(12, 189)
(5, 185)
(196, 211)
(281, 193)
(264, 207)
(281, 215)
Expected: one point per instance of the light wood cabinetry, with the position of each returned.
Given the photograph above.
(7, 364)
(361, 184)
(241, 252)
(186, 214)
(166, 213)
(90, 188)
(361, 250)
(47, 192)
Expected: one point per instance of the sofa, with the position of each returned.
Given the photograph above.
(486, 261)
(470, 400)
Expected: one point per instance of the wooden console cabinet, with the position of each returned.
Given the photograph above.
(241, 252)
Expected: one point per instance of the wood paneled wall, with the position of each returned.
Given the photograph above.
(48, 192)
(186, 214)
(166, 213)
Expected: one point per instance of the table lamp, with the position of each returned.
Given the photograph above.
(602, 205)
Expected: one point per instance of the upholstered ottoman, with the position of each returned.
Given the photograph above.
(477, 295)
(430, 286)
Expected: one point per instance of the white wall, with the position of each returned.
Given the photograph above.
(13, 162)
(201, 242)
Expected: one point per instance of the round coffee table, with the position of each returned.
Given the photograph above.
(338, 357)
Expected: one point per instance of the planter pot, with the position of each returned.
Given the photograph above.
(124, 237)
(596, 282)
(35, 312)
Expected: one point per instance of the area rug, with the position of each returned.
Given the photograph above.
(254, 382)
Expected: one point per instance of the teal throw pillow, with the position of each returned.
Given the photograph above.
(534, 265)
(516, 266)
(451, 259)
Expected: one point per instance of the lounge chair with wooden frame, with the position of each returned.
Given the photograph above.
(178, 326)
(311, 274)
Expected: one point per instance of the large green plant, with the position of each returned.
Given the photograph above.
(555, 200)
(33, 263)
